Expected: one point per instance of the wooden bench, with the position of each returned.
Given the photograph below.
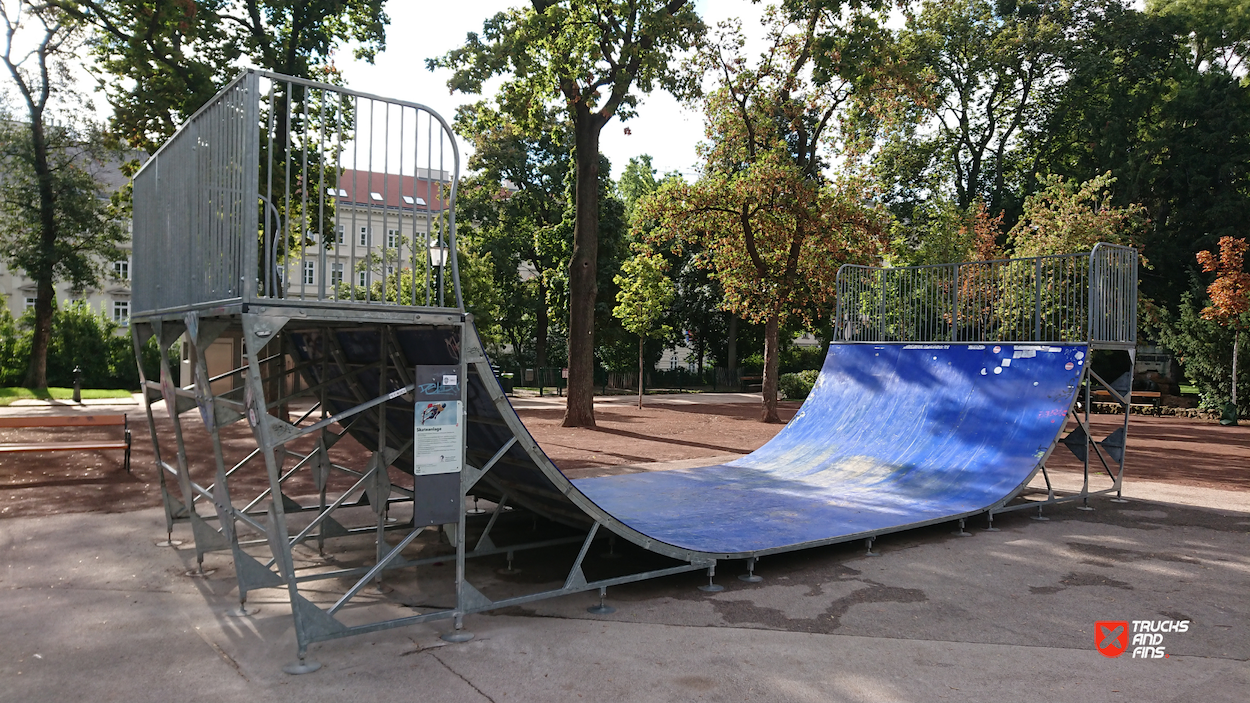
(1152, 397)
(68, 421)
(750, 384)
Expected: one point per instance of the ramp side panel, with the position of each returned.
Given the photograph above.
(892, 436)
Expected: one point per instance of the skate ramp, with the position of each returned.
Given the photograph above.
(892, 437)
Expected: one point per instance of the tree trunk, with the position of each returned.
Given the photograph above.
(580, 406)
(642, 339)
(37, 369)
(771, 358)
(540, 325)
(1236, 343)
(732, 365)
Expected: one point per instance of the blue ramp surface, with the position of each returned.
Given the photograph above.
(891, 437)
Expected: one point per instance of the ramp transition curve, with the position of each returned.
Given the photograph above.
(891, 437)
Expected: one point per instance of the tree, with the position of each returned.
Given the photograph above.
(1066, 217)
(642, 302)
(54, 225)
(1230, 297)
(513, 203)
(591, 55)
(773, 227)
(162, 60)
(774, 242)
(1154, 98)
(981, 75)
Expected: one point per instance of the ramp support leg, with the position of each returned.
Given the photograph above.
(989, 516)
(961, 532)
(458, 634)
(711, 587)
(302, 665)
(1039, 517)
(750, 576)
(602, 608)
(869, 552)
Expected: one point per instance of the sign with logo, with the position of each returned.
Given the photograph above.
(1111, 637)
(438, 432)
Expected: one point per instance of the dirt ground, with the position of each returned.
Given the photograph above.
(1175, 450)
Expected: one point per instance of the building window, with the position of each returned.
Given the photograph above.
(121, 312)
(338, 234)
(30, 303)
(364, 236)
(336, 274)
(362, 279)
(122, 270)
(392, 239)
(310, 272)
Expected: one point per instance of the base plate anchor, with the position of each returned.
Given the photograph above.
(457, 635)
(711, 587)
(961, 532)
(750, 576)
(602, 608)
(301, 666)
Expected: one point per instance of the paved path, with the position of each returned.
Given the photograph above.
(92, 610)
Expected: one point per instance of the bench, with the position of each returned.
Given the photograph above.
(68, 421)
(750, 384)
(1152, 397)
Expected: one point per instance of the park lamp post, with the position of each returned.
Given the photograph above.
(438, 259)
(77, 384)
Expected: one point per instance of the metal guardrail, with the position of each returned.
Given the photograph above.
(1074, 298)
(287, 189)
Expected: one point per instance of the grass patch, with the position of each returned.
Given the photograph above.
(8, 395)
(1189, 390)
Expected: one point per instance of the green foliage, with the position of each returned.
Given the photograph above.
(645, 295)
(82, 338)
(797, 386)
(1205, 351)
(87, 229)
(1065, 217)
(590, 55)
(978, 73)
(160, 60)
(1159, 99)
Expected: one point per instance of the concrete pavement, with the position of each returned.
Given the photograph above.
(91, 609)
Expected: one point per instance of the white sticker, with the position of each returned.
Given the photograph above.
(1006, 362)
(998, 369)
(997, 349)
(976, 347)
(1080, 355)
(1026, 353)
(983, 372)
(449, 379)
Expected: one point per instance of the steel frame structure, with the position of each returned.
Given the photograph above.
(1087, 298)
(215, 209)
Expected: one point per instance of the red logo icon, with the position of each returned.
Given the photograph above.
(1111, 637)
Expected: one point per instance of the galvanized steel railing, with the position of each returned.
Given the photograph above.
(286, 189)
(1076, 298)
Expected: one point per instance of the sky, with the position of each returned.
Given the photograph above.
(663, 128)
